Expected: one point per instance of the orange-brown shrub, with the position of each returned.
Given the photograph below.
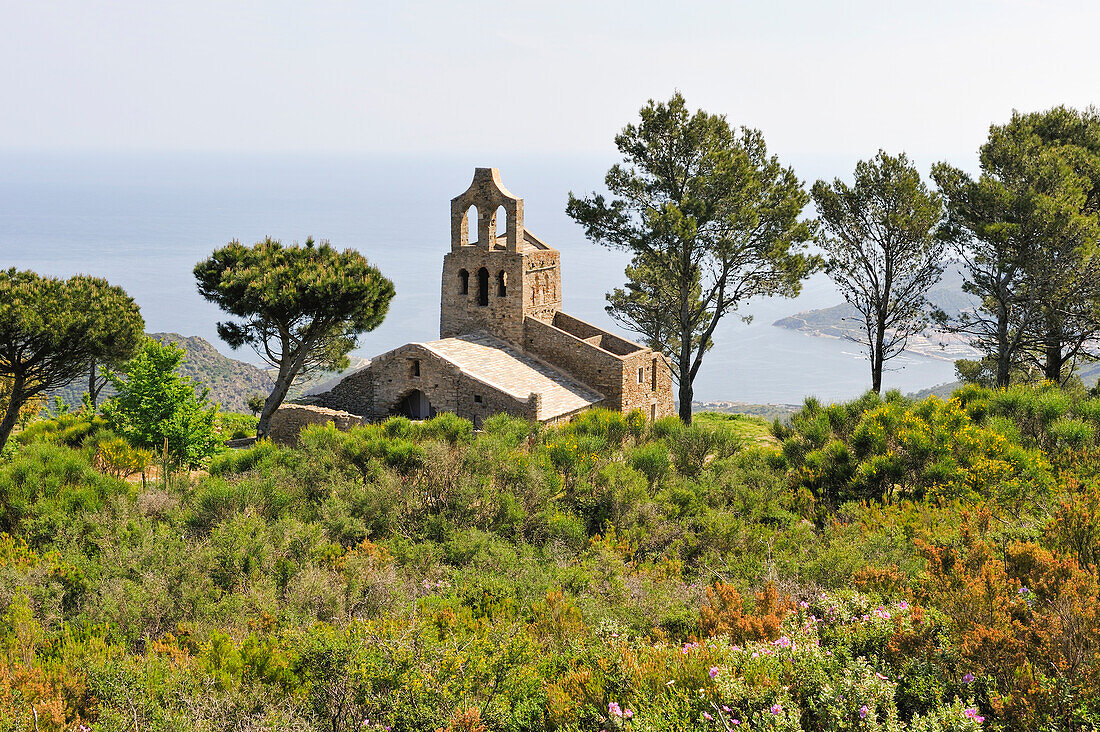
(724, 614)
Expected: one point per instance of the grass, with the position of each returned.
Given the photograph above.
(745, 426)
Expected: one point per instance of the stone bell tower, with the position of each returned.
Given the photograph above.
(497, 273)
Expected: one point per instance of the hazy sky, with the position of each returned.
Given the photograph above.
(819, 77)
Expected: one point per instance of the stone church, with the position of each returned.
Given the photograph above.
(504, 343)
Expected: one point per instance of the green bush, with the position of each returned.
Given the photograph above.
(652, 460)
(156, 407)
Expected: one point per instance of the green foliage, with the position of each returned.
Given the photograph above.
(301, 308)
(884, 252)
(230, 426)
(50, 492)
(72, 429)
(51, 331)
(424, 576)
(153, 404)
(1026, 230)
(710, 220)
(256, 403)
(932, 449)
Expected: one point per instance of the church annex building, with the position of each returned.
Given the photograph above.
(505, 345)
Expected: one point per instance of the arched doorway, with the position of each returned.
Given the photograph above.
(415, 405)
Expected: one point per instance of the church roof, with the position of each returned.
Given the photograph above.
(506, 368)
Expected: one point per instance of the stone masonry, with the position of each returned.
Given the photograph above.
(505, 345)
(289, 420)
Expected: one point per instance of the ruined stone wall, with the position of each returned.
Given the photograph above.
(377, 390)
(600, 370)
(289, 420)
(583, 352)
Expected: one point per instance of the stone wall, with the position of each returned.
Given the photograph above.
(462, 313)
(354, 393)
(586, 352)
(586, 362)
(289, 420)
(651, 395)
(376, 391)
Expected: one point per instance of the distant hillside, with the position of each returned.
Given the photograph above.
(230, 381)
(321, 381)
(843, 321)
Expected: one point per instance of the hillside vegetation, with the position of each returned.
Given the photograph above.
(230, 381)
(879, 565)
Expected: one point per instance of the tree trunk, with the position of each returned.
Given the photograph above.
(1052, 366)
(93, 393)
(1004, 360)
(876, 357)
(273, 402)
(11, 414)
(1004, 371)
(687, 394)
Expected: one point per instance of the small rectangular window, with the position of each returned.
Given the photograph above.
(416, 367)
(477, 398)
(641, 374)
(654, 375)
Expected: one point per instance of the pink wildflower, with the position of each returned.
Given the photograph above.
(614, 710)
(628, 713)
(972, 713)
(776, 709)
(903, 605)
(713, 671)
(706, 716)
(863, 711)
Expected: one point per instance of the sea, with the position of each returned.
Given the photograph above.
(143, 221)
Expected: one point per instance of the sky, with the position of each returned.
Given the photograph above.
(820, 78)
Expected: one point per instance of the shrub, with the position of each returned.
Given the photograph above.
(118, 458)
(651, 460)
(724, 614)
(693, 445)
(156, 406)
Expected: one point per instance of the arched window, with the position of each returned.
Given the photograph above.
(483, 287)
(471, 225)
(463, 282)
(502, 284)
(502, 227)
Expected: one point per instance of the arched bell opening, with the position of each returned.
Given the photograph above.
(500, 240)
(472, 236)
